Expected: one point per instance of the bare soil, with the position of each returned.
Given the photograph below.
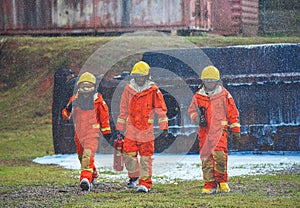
(47, 195)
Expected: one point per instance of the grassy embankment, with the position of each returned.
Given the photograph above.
(27, 67)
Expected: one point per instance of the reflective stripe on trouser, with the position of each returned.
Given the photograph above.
(86, 149)
(146, 171)
(87, 165)
(214, 169)
(136, 168)
(131, 164)
(142, 169)
(94, 167)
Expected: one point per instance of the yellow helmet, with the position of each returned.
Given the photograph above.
(210, 72)
(87, 77)
(141, 68)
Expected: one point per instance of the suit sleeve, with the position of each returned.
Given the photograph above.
(192, 111)
(160, 109)
(102, 113)
(66, 111)
(232, 114)
(121, 121)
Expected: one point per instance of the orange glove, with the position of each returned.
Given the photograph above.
(65, 114)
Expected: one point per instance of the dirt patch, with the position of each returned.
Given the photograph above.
(48, 195)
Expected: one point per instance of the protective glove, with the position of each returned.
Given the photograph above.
(236, 136)
(107, 136)
(164, 134)
(69, 107)
(66, 114)
(74, 104)
(120, 135)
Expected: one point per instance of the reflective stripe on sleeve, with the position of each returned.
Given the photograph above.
(105, 129)
(119, 120)
(150, 121)
(163, 120)
(96, 126)
(223, 123)
(235, 125)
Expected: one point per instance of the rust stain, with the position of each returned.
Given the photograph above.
(60, 16)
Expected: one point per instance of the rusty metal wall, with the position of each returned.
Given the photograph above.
(108, 14)
(58, 16)
(92, 16)
(156, 13)
(72, 14)
(222, 20)
(249, 17)
(125, 15)
(233, 17)
(25, 14)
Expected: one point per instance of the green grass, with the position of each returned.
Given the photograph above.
(26, 174)
(27, 66)
(25, 145)
(221, 41)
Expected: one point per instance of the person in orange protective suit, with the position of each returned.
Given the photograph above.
(90, 115)
(140, 101)
(214, 109)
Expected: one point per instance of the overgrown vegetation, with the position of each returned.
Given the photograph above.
(27, 67)
(279, 17)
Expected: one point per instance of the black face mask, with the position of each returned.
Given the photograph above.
(210, 86)
(85, 101)
(140, 81)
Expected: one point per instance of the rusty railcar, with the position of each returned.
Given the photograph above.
(226, 17)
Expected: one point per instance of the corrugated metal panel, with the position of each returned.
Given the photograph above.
(236, 15)
(222, 22)
(61, 16)
(2, 13)
(167, 12)
(126, 15)
(249, 17)
(232, 17)
(203, 14)
(73, 14)
(98, 15)
(26, 14)
(108, 14)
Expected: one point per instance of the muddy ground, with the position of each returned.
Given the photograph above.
(48, 195)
